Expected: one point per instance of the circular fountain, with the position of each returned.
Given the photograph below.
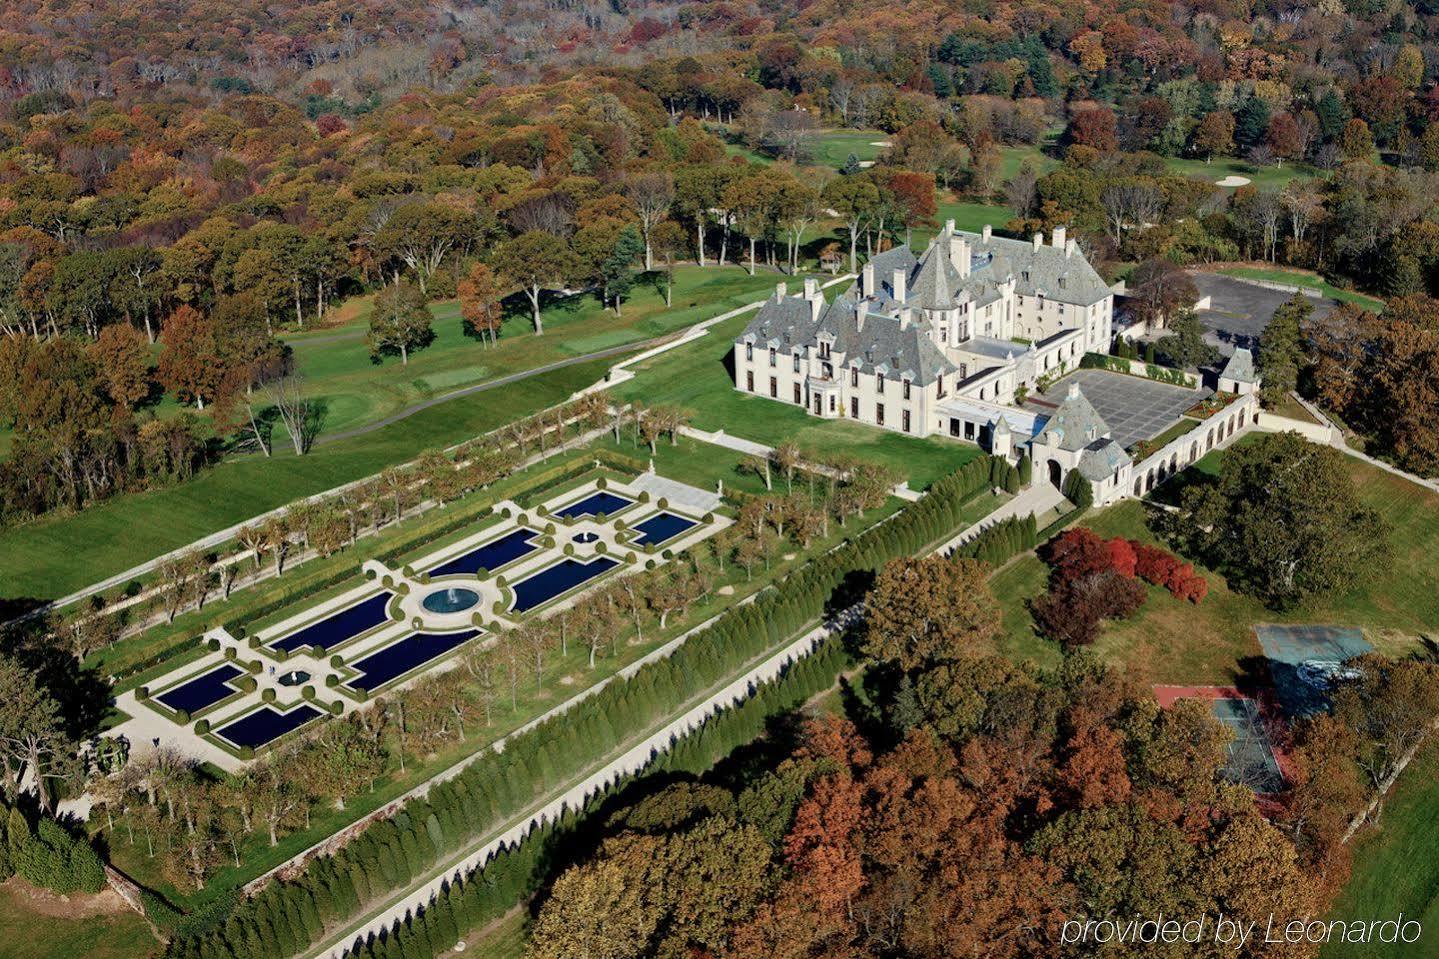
(451, 599)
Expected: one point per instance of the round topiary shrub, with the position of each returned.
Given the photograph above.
(362, 695)
(664, 502)
(253, 642)
(268, 696)
(482, 574)
(281, 654)
(231, 654)
(308, 691)
(388, 582)
(650, 564)
(331, 681)
(416, 622)
(318, 652)
(246, 683)
(239, 632)
(424, 577)
(408, 570)
(142, 693)
(370, 574)
(506, 512)
(620, 526)
(600, 517)
(404, 589)
(602, 483)
(524, 519)
(550, 529)
(497, 607)
(644, 496)
(336, 661)
(213, 644)
(477, 621)
(707, 518)
(337, 707)
(569, 549)
(500, 581)
(254, 666)
(630, 557)
(667, 554)
(542, 510)
(202, 726)
(602, 547)
(182, 716)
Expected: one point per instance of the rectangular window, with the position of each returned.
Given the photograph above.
(749, 380)
(939, 384)
(879, 382)
(796, 362)
(879, 413)
(749, 352)
(854, 407)
(968, 430)
(904, 420)
(953, 427)
(854, 376)
(773, 388)
(831, 402)
(906, 389)
(797, 397)
(771, 356)
(824, 351)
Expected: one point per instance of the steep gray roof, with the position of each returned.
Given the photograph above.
(1240, 367)
(1076, 424)
(783, 324)
(1100, 459)
(1039, 271)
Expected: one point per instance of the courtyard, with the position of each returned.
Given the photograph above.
(1133, 407)
(1239, 311)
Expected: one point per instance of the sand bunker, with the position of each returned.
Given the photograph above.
(1233, 180)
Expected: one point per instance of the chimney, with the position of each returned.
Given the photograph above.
(1069, 247)
(986, 233)
(1038, 240)
(905, 316)
(948, 226)
(897, 282)
(780, 291)
(811, 288)
(816, 306)
(866, 280)
(959, 255)
(1058, 239)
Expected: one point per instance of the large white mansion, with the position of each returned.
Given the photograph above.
(949, 342)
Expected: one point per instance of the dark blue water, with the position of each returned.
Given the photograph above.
(559, 578)
(202, 691)
(451, 600)
(403, 655)
(492, 555)
(661, 528)
(266, 724)
(340, 627)
(594, 504)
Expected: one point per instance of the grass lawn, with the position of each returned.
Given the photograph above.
(828, 148)
(1267, 178)
(27, 934)
(1395, 869)
(1304, 278)
(1293, 409)
(57, 555)
(355, 390)
(1171, 641)
(696, 377)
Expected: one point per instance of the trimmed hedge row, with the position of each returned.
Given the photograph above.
(518, 871)
(997, 544)
(288, 915)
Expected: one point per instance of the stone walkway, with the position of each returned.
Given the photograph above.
(1038, 500)
(750, 448)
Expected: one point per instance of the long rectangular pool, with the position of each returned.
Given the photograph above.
(492, 555)
(266, 724)
(661, 528)
(557, 579)
(202, 691)
(598, 502)
(403, 655)
(340, 627)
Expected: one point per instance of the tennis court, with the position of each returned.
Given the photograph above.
(1254, 756)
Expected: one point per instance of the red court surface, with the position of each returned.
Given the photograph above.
(1252, 715)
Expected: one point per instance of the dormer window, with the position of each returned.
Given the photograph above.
(854, 376)
(1026, 276)
(749, 352)
(773, 356)
(1061, 282)
(879, 382)
(823, 350)
(796, 362)
(906, 389)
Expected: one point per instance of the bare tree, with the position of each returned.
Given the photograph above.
(287, 395)
(652, 193)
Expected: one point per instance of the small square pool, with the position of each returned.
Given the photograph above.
(266, 724)
(661, 528)
(600, 501)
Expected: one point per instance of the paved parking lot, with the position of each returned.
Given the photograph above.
(1239, 311)
(1134, 408)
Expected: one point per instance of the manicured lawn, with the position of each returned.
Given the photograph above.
(829, 148)
(338, 370)
(55, 556)
(25, 934)
(1395, 869)
(696, 378)
(1267, 178)
(1303, 278)
(1171, 641)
